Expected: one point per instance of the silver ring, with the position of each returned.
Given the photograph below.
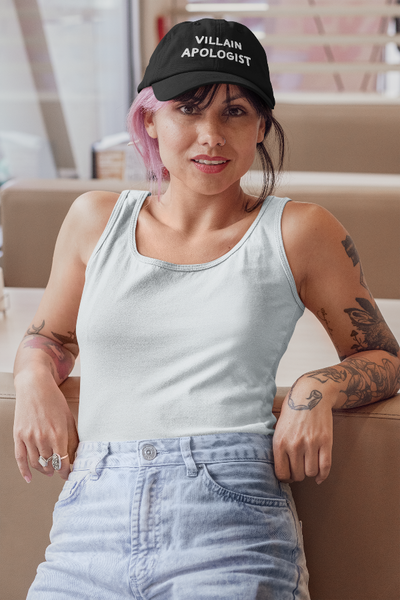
(55, 461)
(219, 143)
(43, 461)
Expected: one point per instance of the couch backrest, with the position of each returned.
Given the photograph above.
(32, 211)
(341, 137)
(368, 207)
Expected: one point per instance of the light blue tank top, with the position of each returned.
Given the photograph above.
(172, 350)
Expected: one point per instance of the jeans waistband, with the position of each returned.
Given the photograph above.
(191, 451)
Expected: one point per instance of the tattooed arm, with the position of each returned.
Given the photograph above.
(43, 422)
(331, 283)
(372, 372)
(54, 351)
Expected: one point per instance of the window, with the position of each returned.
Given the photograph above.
(326, 46)
(65, 71)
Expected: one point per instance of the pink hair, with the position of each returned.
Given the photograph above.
(146, 145)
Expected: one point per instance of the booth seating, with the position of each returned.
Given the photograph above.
(340, 133)
(367, 205)
(351, 524)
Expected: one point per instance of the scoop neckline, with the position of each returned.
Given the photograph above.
(188, 267)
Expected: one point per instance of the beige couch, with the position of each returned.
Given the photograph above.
(351, 522)
(368, 206)
(340, 133)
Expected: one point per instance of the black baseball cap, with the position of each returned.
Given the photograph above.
(207, 51)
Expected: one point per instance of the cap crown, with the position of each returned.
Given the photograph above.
(215, 49)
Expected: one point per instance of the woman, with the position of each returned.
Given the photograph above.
(184, 303)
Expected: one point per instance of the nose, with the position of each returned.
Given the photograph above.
(210, 132)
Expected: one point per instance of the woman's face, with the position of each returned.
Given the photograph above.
(190, 138)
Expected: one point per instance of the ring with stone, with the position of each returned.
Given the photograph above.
(44, 461)
(56, 461)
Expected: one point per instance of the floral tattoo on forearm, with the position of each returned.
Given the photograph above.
(366, 381)
(371, 331)
(363, 381)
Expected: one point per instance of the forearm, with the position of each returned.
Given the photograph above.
(41, 355)
(360, 379)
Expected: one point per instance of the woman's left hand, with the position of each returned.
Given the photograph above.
(303, 435)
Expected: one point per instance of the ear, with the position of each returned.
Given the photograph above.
(261, 131)
(149, 124)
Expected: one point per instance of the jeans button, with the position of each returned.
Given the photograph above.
(149, 452)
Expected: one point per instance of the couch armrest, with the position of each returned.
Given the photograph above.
(350, 523)
(25, 510)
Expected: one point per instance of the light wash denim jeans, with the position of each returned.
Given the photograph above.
(174, 519)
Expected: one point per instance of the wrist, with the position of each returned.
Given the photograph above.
(315, 387)
(32, 375)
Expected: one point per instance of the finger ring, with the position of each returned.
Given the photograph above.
(44, 461)
(55, 461)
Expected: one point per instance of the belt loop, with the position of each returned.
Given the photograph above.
(103, 449)
(191, 468)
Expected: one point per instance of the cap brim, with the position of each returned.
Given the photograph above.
(171, 87)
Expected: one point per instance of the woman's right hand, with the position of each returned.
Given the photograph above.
(43, 425)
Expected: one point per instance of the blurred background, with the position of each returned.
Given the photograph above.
(69, 68)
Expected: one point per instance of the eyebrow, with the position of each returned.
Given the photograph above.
(233, 98)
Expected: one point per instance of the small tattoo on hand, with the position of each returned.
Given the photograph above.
(314, 398)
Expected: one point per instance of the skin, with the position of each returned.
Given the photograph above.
(199, 218)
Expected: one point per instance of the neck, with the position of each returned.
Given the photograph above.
(193, 212)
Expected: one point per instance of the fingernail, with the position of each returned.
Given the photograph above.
(50, 474)
(27, 479)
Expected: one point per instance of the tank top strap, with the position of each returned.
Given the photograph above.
(269, 230)
(121, 216)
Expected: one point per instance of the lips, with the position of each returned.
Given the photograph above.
(210, 164)
(210, 160)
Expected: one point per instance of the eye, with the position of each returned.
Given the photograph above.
(187, 109)
(235, 111)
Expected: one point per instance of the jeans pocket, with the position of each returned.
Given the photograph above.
(247, 482)
(73, 486)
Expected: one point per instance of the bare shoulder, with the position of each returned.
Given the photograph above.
(79, 233)
(87, 219)
(303, 218)
(310, 234)
(94, 208)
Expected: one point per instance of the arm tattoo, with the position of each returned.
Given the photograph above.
(371, 331)
(63, 339)
(66, 339)
(352, 253)
(364, 380)
(34, 330)
(323, 316)
(60, 358)
(313, 398)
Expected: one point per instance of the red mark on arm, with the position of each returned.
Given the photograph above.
(61, 358)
